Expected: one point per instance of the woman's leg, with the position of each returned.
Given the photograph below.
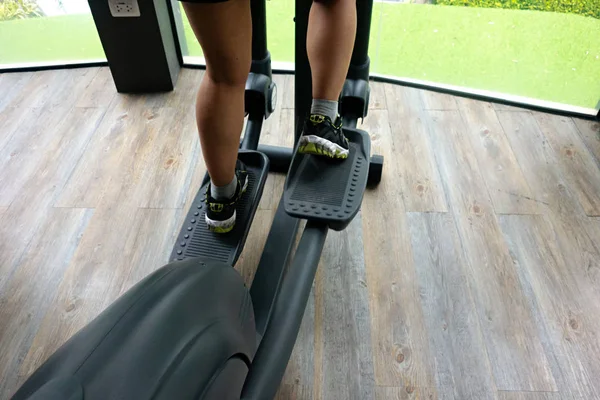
(329, 43)
(224, 31)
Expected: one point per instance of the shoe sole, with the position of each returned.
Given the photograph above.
(227, 225)
(318, 146)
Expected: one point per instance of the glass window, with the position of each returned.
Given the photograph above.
(527, 51)
(545, 52)
(47, 31)
(280, 35)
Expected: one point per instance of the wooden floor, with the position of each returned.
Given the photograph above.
(472, 272)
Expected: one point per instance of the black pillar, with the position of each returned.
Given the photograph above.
(360, 54)
(259, 29)
(303, 81)
(141, 51)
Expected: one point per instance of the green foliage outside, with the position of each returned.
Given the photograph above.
(18, 9)
(63, 37)
(542, 55)
(589, 8)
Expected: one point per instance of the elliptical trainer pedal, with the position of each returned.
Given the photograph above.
(330, 191)
(195, 240)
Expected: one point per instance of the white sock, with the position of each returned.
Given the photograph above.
(225, 192)
(326, 108)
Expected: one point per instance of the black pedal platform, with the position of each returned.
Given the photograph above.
(195, 240)
(326, 190)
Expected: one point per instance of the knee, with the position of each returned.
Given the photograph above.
(229, 70)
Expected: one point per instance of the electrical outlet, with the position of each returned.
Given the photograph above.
(124, 8)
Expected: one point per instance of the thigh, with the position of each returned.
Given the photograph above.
(224, 30)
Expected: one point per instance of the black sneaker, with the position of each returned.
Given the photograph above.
(220, 214)
(323, 137)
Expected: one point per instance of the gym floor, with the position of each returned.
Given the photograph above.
(472, 271)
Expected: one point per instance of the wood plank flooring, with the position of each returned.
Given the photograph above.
(471, 272)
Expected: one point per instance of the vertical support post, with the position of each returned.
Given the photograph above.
(303, 80)
(259, 29)
(260, 96)
(360, 54)
(356, 92)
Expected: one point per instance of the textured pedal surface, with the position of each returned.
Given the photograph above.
(331, 191)
(195, 240)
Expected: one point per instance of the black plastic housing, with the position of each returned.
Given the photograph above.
(260, 97)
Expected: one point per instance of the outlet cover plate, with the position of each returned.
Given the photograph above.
(124, 8)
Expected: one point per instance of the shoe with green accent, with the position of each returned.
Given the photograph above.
(220, 214)
(323, 137)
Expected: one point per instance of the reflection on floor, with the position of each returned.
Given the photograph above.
(472, 272)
